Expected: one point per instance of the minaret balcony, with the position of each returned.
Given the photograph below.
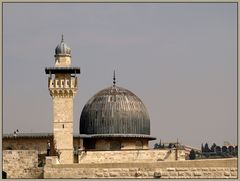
(62, 70)
(54, 83)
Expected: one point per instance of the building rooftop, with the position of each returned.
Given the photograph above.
(47, 135)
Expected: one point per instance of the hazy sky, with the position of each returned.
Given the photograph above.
(180, 59)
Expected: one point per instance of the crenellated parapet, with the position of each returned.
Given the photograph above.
(62, 87)
(64, 83)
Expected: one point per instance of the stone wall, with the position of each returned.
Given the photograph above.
(217, 168)
(130, 156)
(21, 164)
(33, 143)
(39, 144)
(126, 143)
(24, 164)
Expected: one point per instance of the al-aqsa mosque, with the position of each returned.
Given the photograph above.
(113, 138)
(113, 119)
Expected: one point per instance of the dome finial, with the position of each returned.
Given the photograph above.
(62, 38)
(114, 78)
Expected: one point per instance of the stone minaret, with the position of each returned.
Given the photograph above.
(62, 85)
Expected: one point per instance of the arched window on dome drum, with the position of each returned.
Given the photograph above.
(115, 145)
(139, 145)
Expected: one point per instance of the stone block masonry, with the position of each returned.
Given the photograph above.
(24, 164)
(21, 164)
(130, 156)
(217, 168)
(39, 144)
(63, 127)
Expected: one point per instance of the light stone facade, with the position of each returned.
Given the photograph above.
(37, 144)
(21, 164)
(135, 144)
(217, 168)
(63, 127)
(63, 117)
(126, 143)
(125, 156)
(62, 60)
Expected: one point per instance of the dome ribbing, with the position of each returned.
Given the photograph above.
(62, 48)
(115, 110)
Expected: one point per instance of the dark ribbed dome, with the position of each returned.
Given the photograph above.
(114, 110)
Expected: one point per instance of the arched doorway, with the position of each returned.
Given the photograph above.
(4, 174)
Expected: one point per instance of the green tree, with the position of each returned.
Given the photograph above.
(160, 144)
(156, 146)
(192, 155)
(202, 148)
(236, 151)
(206, 148)
(213, 147)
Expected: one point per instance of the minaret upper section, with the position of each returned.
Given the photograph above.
(62, 54)
(62, 79)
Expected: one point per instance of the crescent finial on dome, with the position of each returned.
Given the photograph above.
(62, 48)
(114, 78)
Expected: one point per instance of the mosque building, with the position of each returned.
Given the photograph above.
(114, 131)
(113, 119)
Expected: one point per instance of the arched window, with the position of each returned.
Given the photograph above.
(139, 145)
(115, 145)
(4, 174)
